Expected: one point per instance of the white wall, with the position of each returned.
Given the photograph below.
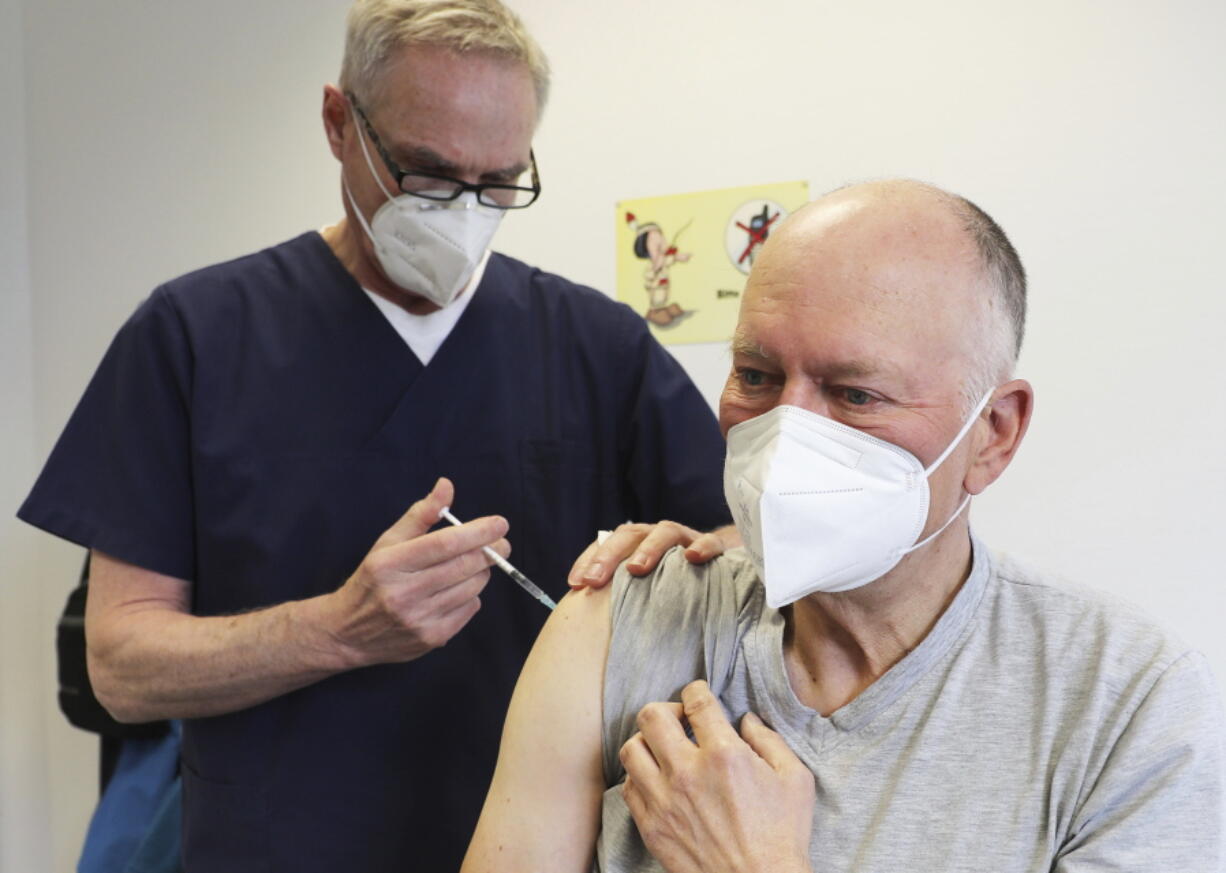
(25, 663)
(161, 137)
(1092, 132)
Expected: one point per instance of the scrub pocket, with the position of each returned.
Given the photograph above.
(225, 826)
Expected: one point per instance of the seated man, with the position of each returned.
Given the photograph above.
(932, 706)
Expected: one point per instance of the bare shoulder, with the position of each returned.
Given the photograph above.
(542, 812)
(583, 607)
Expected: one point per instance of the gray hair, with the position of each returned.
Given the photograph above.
(1002, 319)
(375, 28)
(1004, 322)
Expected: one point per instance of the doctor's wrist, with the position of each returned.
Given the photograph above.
(319, 626)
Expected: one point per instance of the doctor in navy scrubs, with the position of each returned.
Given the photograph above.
(259, 463)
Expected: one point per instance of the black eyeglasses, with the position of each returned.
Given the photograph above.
(432, 186)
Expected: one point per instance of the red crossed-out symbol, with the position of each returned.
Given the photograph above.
(757, 235)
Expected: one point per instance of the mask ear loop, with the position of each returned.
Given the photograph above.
(366, 153)
(962, 433)
(358, 212)
(945, 454)
(345, 183)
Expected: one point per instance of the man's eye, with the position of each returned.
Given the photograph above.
(856, 397)
(753, 378)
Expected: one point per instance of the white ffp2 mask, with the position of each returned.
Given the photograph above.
(428, 247)
(822, 506)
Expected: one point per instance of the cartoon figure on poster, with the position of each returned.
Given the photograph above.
(652, 246)
(689, 254)
(748, 229)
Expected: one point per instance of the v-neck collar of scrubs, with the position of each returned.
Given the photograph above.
(427, 391)
(379, 338)
(424, 334)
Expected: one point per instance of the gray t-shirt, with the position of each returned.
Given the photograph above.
(1036, 728)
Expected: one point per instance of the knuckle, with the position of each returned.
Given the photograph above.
(431, 639)
(471, 564)
(390, 602)
(684, 780)
(424, 508)
(696, 698)
(623, 754)
(722, 754)
(439, 633)
(652, 833)
(409, 615)
(650, 714)
(376, 564)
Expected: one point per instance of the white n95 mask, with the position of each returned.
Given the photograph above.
(428, 247)
(822, 506)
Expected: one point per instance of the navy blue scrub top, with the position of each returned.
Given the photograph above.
(256, 425)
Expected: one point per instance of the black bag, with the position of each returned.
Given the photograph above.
(77, 700)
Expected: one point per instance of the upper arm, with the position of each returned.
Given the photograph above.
(120, 476)
(1160, 801)
(542, 812)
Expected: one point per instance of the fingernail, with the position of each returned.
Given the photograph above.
(593, 570)
(640, 559)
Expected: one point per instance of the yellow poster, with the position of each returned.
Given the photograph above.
(682, 259)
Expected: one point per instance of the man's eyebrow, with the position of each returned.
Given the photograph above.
(743, 347)
(428, 160)
(857, 368)
(423, 158)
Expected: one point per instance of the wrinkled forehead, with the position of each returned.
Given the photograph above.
(874, 294)
(826, 344)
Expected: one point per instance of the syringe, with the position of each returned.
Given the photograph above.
(504, 565)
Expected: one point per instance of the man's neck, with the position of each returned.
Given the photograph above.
(343, 239)
(837, 645)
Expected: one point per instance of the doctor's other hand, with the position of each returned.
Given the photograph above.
(415, 590)
(724, 801)
(642, 546)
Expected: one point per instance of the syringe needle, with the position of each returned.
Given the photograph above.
(504, 565)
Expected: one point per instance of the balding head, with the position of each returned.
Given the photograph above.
(876, 307)
(954, 258)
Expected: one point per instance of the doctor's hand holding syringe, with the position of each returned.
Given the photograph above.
(417, 587)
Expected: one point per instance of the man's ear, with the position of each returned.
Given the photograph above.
(1008, 416)
(337, 118)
